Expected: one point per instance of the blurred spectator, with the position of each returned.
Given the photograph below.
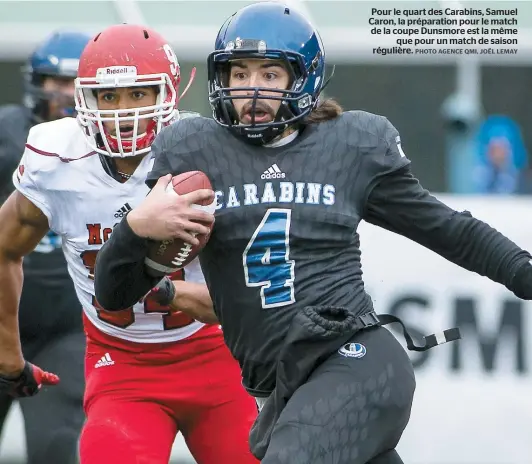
(501, 157)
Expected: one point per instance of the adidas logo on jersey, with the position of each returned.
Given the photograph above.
(273, 172)
(104, 361)
(123, 211)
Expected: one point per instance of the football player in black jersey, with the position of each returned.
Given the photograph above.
(294, 176)
(50, 323)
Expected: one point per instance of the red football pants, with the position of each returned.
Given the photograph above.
(137, 405)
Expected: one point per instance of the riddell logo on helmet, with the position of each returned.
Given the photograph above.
(116, 72)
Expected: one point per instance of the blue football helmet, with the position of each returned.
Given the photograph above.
(57, 56)
(267, 30)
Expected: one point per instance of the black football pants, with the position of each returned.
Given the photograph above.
(352, 410)
(54, 417)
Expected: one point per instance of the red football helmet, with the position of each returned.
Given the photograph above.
(126, 55)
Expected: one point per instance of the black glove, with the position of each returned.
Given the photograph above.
(28, 383)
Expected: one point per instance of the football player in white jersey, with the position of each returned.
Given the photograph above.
(151, 370)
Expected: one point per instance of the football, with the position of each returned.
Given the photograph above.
(167, 256)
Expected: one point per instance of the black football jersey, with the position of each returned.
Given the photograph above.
(46, 264)
(285, 235)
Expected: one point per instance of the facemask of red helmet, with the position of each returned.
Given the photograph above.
(126, 56)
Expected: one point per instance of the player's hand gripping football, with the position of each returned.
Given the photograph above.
(162, 217)
(28, 382)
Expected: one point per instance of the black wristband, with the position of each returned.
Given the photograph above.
(522, 282)
(21, 386)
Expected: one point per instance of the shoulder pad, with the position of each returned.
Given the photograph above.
(62, 139)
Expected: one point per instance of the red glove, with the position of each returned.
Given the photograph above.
(28, 383)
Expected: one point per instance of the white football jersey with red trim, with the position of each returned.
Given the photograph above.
(66, 180)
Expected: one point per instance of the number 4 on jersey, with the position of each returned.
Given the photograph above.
(266, 259)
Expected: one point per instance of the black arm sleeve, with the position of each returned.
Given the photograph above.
(397, 202)
(14, 128)
(120, 279)
(10, 154)
(9, 159)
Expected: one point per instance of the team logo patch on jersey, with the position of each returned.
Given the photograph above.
(353, 350)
